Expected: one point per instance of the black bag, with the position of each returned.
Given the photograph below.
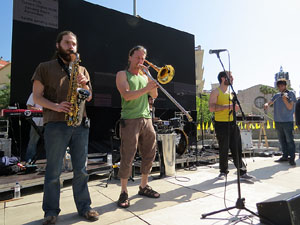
(9, 170)
(8, 165)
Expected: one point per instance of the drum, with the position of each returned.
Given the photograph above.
(181, 141)
(162, 126)
(175, 122)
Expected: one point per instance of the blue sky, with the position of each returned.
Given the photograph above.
(261, 35)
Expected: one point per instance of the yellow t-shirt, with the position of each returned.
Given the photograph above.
(224, 99)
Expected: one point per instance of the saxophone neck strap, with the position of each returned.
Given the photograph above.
(64, 66)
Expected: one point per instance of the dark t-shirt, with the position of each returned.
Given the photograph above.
(56, 86)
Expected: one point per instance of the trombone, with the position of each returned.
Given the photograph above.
(165, 75)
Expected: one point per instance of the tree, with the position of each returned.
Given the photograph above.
(267, 90)
(203, 108)
(5, 95)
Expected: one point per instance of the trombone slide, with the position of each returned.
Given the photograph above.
(190, 119)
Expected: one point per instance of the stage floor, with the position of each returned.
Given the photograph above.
(96, 165)
(184, 197)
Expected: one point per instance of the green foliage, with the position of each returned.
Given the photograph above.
(268, 90)
(202, 106)
(5, 95)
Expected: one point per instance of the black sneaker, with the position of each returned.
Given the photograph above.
(248, 178)
(222, 176)
(292, 162)
(49, 220)
(282, 159)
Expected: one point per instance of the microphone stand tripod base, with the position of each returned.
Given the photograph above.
(240, 204)
(160, 176)
(197, 163)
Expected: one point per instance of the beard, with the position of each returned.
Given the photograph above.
(226, 82)
(65, 55)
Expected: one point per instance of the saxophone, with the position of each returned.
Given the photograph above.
(76, 94)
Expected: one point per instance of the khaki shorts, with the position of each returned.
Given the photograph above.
(137, 134)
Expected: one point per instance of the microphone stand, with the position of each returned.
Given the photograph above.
(201, 121)
(240, 203)
(202, 133)
(159, 146)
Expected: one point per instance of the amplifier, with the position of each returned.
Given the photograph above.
(280, 212)
(5, 146)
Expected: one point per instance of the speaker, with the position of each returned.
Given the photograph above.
(281, 212)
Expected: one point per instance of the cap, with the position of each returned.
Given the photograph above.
(281, 81)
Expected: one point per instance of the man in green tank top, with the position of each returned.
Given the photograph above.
(136, 129)
(227, 132)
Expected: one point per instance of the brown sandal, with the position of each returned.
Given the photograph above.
(148, 192)
(123, 201)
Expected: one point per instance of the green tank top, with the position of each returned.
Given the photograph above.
(223, 99)
(137, 108)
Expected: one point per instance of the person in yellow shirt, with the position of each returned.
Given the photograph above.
(227, 132)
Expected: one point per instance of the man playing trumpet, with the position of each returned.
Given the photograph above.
(136, 127)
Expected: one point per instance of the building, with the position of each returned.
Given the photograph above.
(199, 69)
(252, 101)
(5, 71)
(281, 74)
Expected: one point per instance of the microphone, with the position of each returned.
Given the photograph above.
(216, 51)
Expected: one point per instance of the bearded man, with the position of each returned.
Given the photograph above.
(50, 90)
(227, 131)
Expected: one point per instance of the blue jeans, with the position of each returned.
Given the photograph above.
(286, 138)
(58, 136)
(32, 144)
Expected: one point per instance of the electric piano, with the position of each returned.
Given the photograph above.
(28, 115)
(251, 118)
(21, 112)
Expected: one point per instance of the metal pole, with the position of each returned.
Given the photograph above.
(134, 7)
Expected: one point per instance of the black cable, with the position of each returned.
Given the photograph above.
(185, 179)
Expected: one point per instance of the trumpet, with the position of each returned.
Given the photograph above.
(165, 75)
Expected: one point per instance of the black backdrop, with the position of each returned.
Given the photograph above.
(104, 39)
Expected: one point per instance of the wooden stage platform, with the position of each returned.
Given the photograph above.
(97, 165)
(26, 180)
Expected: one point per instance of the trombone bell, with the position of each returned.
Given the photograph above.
(165, 74)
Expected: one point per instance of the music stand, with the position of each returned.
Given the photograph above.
(115, 160)
(40, 133)
(197, 163)
(240, 203)
(202, 130)
(113, 166)
(162, 171)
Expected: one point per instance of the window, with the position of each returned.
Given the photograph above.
(259, 102)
